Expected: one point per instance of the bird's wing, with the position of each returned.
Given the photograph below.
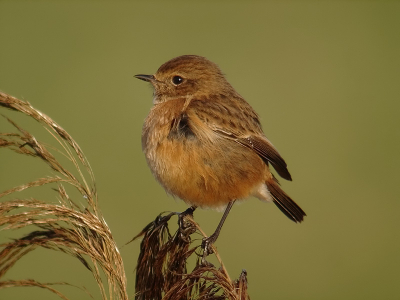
(236, 120)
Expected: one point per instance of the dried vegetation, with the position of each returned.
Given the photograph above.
(77, 228)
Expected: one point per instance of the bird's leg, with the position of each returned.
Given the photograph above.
(183, 225)
(209, 241)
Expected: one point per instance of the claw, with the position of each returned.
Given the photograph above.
(207, 244)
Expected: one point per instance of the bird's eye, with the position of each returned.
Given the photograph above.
(177, 80)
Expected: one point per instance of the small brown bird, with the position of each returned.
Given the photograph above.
(204, 142)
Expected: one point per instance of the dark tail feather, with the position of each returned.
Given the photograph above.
(285, 203)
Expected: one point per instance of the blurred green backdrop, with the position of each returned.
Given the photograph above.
(324, 77)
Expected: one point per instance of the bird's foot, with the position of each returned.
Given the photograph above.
(207, 245)
(186, 227)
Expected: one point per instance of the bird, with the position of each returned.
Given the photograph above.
(205, 144)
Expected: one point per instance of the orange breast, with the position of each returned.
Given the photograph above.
(205, 170)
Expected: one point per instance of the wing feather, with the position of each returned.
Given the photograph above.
(236, 120)
(267, 152)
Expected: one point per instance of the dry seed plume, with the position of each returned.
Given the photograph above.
(162, 273)
(76, 228)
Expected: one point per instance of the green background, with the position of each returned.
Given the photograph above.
(324, 77)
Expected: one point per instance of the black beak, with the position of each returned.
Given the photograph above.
(148, 78)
